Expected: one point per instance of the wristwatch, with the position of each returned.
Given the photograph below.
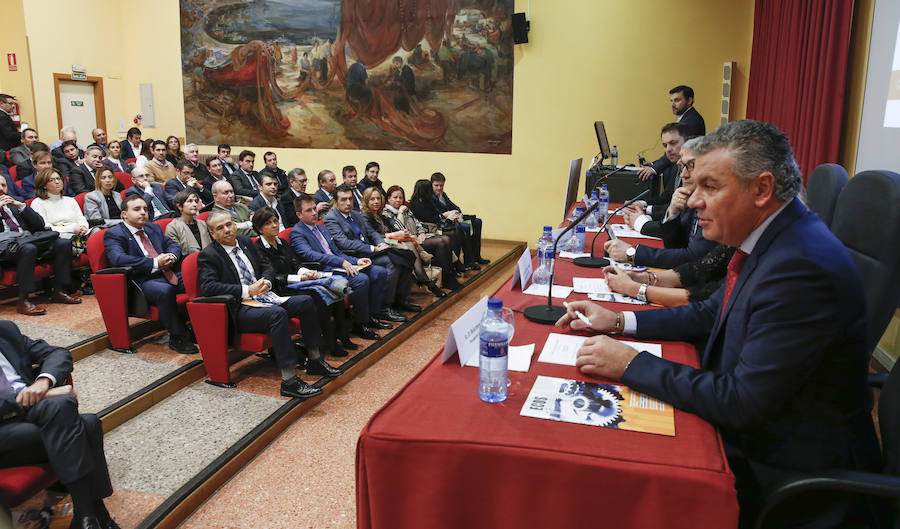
(629, 254)
(642, 293)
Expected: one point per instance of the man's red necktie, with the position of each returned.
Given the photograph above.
(152, 254)
(734, 269)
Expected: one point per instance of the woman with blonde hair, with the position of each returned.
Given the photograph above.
(103, 206)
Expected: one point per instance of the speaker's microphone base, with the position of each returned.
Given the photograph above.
(591, 262)
(546, 314)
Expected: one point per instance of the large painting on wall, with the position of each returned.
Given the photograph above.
(428, 75)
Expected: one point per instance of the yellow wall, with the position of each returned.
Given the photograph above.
(578, 67)
(12, 40)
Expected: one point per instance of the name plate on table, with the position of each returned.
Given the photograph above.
(522, 274)
(604, 405)
(464, 334)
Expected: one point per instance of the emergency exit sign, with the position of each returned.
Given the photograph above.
(79, 77)
(77, 103)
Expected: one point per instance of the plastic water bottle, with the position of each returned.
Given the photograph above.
(591, 221)
(541, 275)
(603, 208)
(614, 156)
(578, 246)
(493, 360)
(577, 213)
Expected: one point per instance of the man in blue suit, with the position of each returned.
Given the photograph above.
(154, 260)
(783, 373)
(268, 197)
(354, 236)
(351, 178)
(153, 194)
(314, 243)
(184, 179)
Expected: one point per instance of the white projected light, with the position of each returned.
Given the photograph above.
(892, 108)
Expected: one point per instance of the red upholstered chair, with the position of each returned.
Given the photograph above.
(122, 193)
(17, 484)
(80, 199)
(203, 216)
(29, 201)
(211, 326)
(125, 178)
(163, 223)
(12, 172)
(118, 296)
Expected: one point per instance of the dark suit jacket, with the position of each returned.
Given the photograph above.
(260, 202)
(120, 167)
(278, 173)
(123, 250)
(695, 125)
(82, 181)
(668, 177)
(682, 245)
(62, 163)
(442, 208)
(12, 188)
(22, 352)
(209, 181)
(366, 184)
(28, 218)
(174, 186)
(157, 191)
(320, 196)
(783, 375)
(242, 185)
(425, 211)
(283, 260)
(217, 274)
(201, 173)
(9, 133)
(127, 151)
(307, 246)
(287, 202)
(345, 236)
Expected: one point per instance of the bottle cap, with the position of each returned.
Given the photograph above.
(495, 303)
(548, 228)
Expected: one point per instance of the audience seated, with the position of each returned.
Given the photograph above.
(396, 234)
(103, 205)
(155, 261)
(231, 265)
(114, 159)
(327, 293)
(25, 227)
(324, 196)
(21, 154)
(41, 424)
(81, 178)
(422, 206)
(9, 134)
(132, 146)
(161, 170)
(439, 246)
(271, 161)
(191, 233)
(145, 154)
(12, 188)
(40, 160)
(99, 136)
(783, 376)
(353, 235)
(224, 155)
(184, 179)
(67, 157)
(214, 168)
(173, 150)
(66, 133)
(468, 225)
(192, 154)
(152, 193)
(60, 212)
(244, 179)
(224, 200)
(350, 178)
(297, 180)
(371, 179)
(268, 197)
(313, 243)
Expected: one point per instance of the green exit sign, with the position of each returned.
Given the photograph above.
(77, 103)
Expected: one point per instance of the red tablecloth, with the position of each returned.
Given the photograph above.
(435, 456)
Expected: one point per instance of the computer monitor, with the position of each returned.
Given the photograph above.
(572, 190)
(602, 140)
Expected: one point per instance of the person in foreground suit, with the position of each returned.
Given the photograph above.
(783, 373)
(154, 260)
(244, 179)
(223, 195)
(313, 243)
(268, 197)
(682, 99)
(354, 236)
(232, 265)
(271, 160)
(40, 424)
(17, 220)
(152, 193)
(350, 178)
(184, 179)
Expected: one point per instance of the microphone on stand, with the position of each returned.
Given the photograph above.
(549, 314)
(600, 262)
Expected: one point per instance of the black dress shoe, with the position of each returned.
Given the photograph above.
(109, 524)
(348, 345)
(294, 387)
(182, 344)
(389, 314)
(480, 260)
(471, 266)
(85, 522)
(436, 290)
(407, 307)
(375, 324)
(364, 332)
(336, 349)
(321, 367)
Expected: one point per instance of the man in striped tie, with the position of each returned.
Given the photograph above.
(783, 373)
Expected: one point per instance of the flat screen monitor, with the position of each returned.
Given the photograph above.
(572, 191)
(602, 140)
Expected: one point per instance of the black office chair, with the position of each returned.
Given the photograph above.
(849, 482)
(822, 190)
(867, 220)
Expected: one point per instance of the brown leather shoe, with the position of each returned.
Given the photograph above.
(28, 308)
(62, 297)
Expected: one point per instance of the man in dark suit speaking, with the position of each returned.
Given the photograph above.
(783, 373)
(40, 423)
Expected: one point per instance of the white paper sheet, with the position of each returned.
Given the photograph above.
(559, 291)
(573, 255)
(519, 358)
(590, 285)
(622, 230)
(563, 348)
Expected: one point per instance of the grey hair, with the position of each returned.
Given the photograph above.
(189, 145)
(756, 147)
(64, 129)
(295, 172)
(219, 184)
(94, 148)
(216, 213)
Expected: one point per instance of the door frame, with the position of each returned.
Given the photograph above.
(99, 104)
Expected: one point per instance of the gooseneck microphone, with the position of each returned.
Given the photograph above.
(600, 262)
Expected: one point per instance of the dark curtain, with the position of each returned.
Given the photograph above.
(798, 73)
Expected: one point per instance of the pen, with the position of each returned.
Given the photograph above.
(581, 316)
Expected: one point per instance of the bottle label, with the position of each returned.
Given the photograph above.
(494, 349)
